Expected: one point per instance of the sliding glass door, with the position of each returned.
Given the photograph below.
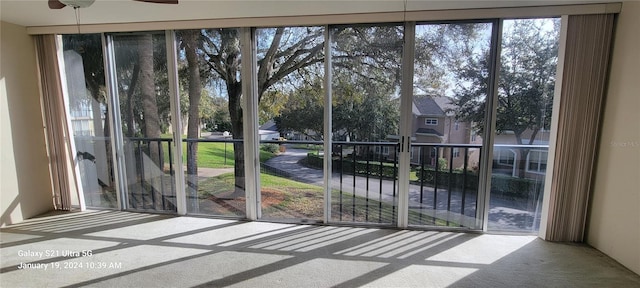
(90, 118)
(366, 65)
(209, 74)
(523, 120)
(290, 74)
(143, 102)
(423, 127)
(449, 102)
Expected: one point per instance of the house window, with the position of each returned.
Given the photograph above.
(537, 161)
(456, 125)
(505, 157)
(385, 150)
(456, 152)
(431, 121)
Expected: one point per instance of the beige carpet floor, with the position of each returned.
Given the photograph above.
(124, 249)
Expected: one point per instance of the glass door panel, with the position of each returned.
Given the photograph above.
(290, 114)
(525, 100)
(366, 66)
(143, 94)
(451, 73)
(84, 73)
(210, 92)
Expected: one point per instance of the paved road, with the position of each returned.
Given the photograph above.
(501, 215)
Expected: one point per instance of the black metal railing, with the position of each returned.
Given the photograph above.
(150, 185)
(446, 180)
(365, 175)
(443, 185)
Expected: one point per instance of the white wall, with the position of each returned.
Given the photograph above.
(25, 186)
(614, 221)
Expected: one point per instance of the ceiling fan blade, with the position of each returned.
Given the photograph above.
(55, 4)
(159, 1)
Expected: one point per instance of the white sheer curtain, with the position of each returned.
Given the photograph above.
(588, 46)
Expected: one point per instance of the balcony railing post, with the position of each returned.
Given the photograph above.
(171, 173)
(380, 192)
(161, 164)
(353, 154)
(395, 179)
(450, 188)
(367, 185)
(464, 180)
(435, 181)
(423, 178)
(341, 172)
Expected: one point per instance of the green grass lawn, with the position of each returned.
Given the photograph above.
(225, 183)
(214, 154)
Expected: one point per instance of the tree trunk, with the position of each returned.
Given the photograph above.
(190, 40)
(235, 112)
(129, 116)
(149, 102)
(231, 47)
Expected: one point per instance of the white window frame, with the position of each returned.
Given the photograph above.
(384, 150)
(500, 157)
(539, 162)
(434, 121)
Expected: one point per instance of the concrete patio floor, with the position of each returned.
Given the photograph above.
(125, 249)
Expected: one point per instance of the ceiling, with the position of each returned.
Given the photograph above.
(31, 13)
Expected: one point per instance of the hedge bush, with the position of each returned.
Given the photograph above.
(514, 187)
(313, 160)
(361, 168)
(346, 166)
(457, 177)
(505, 186)
(272, 148)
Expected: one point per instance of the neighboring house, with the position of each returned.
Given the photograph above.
(270, 128)
(433, 124)
(508, 159)
(457, 132)
(269, 131)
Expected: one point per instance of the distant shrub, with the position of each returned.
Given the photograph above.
(312, 160)
(272, 148)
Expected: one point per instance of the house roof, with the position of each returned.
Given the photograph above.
(445, 104)
(428, 131)
(425, 105)
(269, 125)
